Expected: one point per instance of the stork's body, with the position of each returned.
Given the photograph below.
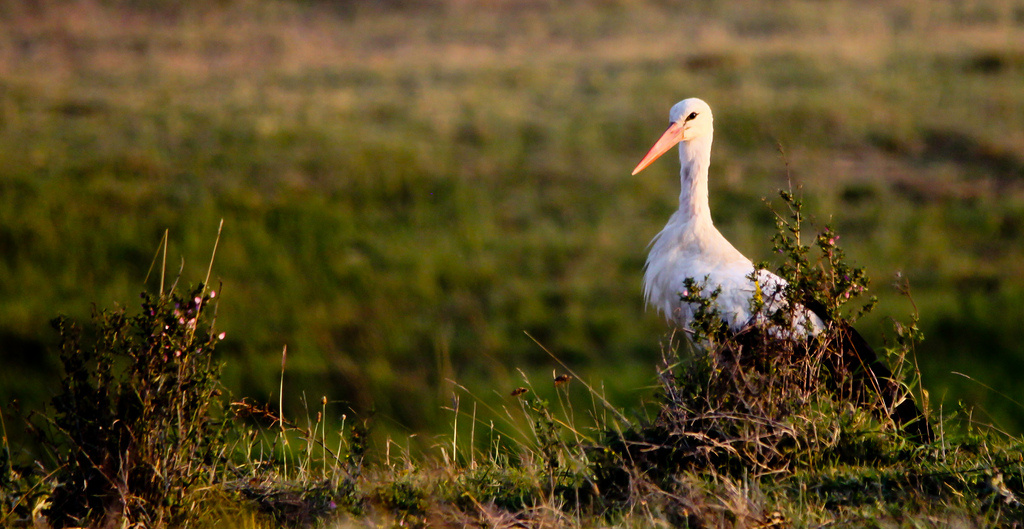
(691, 247)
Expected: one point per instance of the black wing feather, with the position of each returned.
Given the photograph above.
(858, 357)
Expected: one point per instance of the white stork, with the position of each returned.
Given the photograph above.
(691, 247)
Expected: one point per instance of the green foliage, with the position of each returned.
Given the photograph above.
(22, 485)
(511, 488)
(137, 424)
(829, 281)
(707, 320)
(296, 475)
(402, 496)
(544, 430)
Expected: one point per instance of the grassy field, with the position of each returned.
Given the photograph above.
(745, 433)
(408, 187)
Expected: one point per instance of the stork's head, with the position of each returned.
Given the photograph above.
(690, 119)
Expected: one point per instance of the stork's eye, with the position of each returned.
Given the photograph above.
(693, 115)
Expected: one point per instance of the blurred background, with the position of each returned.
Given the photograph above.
(409, 187)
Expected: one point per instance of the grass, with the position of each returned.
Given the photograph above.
(746, 430)
(407, 189)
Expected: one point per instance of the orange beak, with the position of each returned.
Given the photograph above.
(672, 136)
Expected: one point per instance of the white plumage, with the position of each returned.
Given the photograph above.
(691, 247)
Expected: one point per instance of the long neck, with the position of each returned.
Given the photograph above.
(695, 157)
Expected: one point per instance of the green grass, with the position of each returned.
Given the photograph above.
(756, 441)
(407, 189)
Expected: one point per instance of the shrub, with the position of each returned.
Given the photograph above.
(759, 401)
(136, 424)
